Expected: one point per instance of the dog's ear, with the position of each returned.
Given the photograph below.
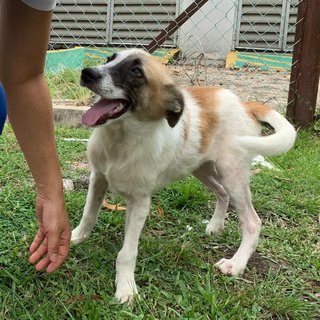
(174, 104)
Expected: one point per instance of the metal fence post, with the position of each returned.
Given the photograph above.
(305, 69)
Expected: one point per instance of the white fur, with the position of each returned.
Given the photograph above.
(274, 144)
(136, 158)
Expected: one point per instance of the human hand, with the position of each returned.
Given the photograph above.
(50, 246)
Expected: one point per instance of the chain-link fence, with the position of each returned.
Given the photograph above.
(245, 45)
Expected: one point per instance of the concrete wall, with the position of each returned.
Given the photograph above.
(209, 30)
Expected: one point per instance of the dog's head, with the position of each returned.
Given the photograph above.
(131, 83)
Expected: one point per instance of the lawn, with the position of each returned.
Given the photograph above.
(175, 271)
(65, 86)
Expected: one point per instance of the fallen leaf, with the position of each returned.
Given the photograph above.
(256, 171)
(158, 233)
(113, 207)
(160, 210)
(283, 224)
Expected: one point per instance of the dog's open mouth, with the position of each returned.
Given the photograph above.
(104, 110)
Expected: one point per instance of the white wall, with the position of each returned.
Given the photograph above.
(210, 29)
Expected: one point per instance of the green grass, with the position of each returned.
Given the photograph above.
(175, 270)
(65, 85)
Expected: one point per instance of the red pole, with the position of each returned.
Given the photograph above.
(305, 69)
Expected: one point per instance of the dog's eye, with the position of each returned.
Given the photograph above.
(137, 72)
(109, 59)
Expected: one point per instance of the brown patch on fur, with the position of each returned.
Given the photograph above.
(159, 98)
(154, 107)
(186, 126)
(256, 110)
(205, 97)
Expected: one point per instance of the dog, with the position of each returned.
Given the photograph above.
(148, 132)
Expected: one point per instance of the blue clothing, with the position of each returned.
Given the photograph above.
(3, 108)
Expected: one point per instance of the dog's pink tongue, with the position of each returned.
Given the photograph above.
(103, 108)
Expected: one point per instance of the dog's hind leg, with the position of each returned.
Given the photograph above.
(97, 189)
(207, 175)
(137, 212)
(235, 179)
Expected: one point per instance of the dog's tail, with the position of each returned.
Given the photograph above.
(279, 142)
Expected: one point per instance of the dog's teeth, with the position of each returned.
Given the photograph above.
(119, 107)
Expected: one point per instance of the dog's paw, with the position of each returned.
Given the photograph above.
(126, 289)
(214, 228)
(230, 267)
(78, 236)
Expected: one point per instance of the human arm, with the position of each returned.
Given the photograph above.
(24, 36)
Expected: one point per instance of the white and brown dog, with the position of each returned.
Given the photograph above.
(149, 132)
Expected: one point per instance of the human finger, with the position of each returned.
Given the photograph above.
(63, 253)
(38, 239)
(53, 245)
(43, 263)
(41, 250)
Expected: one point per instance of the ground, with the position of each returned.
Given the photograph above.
(175, 272)
(249, 83)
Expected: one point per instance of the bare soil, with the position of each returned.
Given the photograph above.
(270, 87)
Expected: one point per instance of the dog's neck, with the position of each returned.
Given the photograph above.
(131, 126)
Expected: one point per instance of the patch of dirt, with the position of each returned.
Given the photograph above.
(258, 262)
(79, 166)
(263, 265)
(270, 87)
(81, 183)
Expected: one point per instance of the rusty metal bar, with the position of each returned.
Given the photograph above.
(175, 25)
(305, 71)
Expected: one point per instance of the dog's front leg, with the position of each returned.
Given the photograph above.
(137, 212)
(97, 189)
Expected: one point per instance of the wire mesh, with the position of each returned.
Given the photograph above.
(244, 45)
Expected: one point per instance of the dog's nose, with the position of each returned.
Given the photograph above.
(90, 75)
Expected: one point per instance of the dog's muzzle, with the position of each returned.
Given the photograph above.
(90, 75)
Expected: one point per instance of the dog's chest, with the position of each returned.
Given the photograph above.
(145, 174)
(130, 166)
(141, 167)
(129, 175)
